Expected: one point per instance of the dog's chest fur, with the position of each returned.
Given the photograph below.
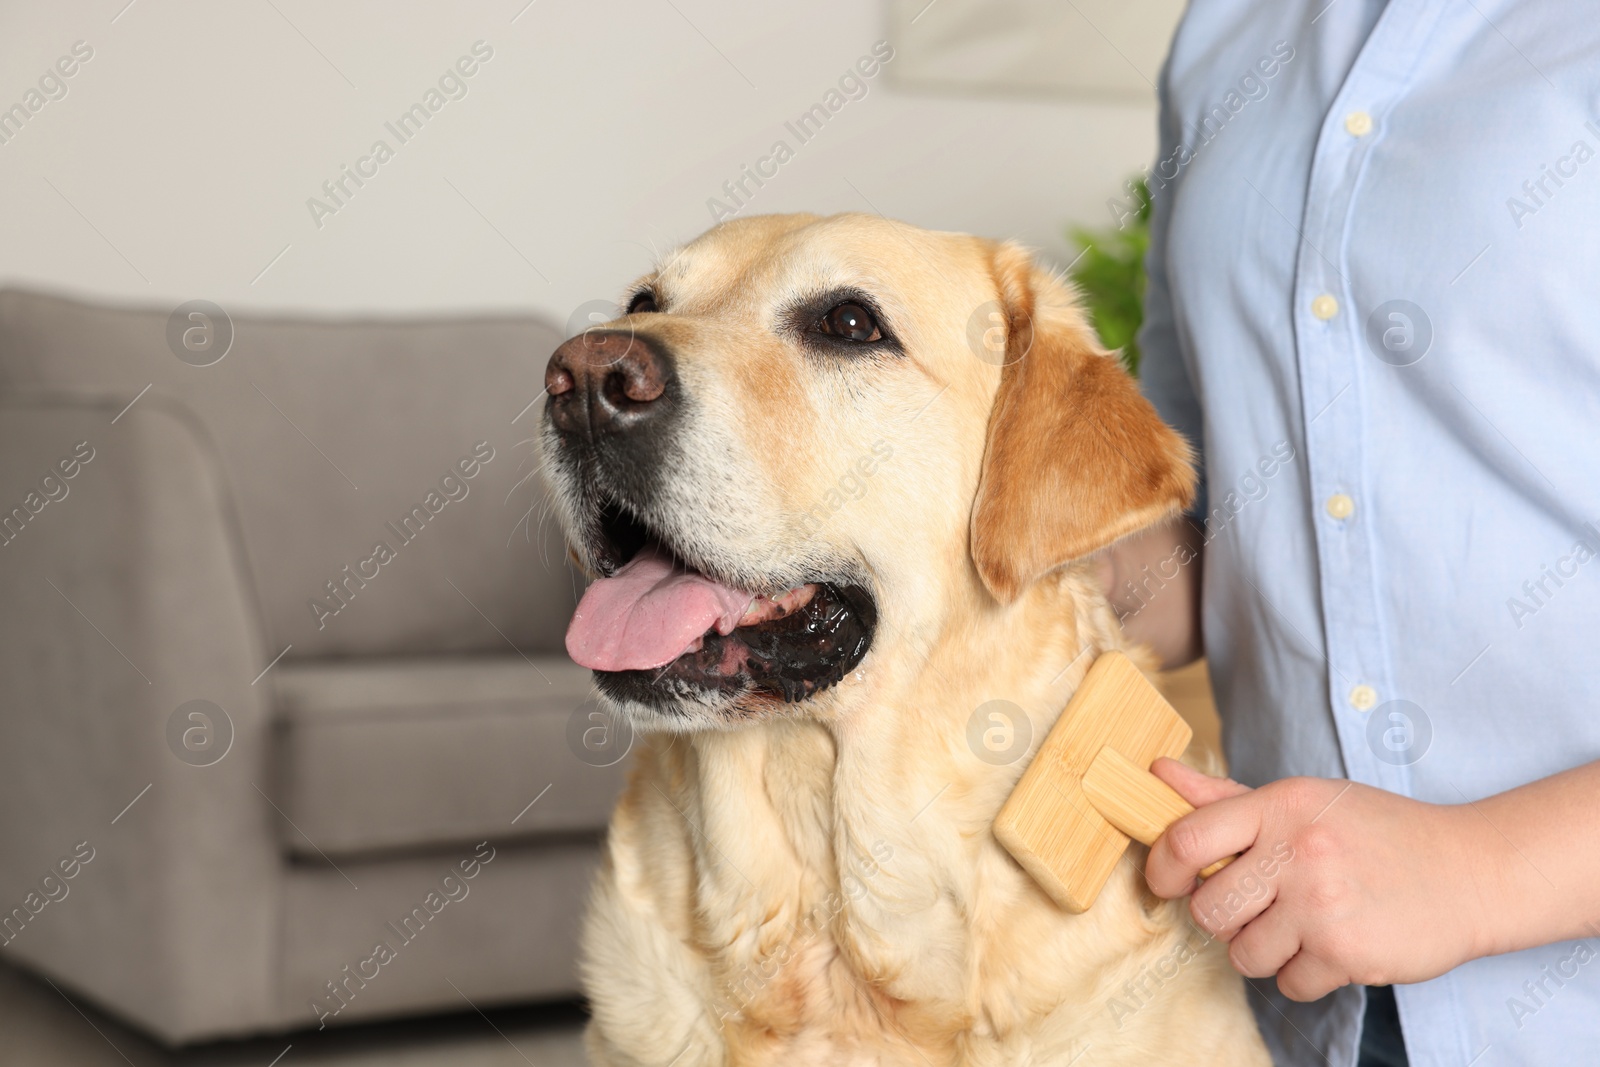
(796, 892)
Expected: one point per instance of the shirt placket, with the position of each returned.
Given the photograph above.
(1329, 341)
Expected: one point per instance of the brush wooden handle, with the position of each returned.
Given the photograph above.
(1136, 801)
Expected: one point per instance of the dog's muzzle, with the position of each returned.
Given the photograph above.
(657, 631)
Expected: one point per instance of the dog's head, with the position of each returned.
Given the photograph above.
(808, 435)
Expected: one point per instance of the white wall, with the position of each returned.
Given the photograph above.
(591, 140)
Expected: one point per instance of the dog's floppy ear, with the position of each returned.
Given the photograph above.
(1076, 458)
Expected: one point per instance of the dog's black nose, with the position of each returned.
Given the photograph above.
(608, 382)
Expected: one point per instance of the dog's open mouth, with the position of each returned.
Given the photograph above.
(656, 628)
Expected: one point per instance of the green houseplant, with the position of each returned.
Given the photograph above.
(1110, 275)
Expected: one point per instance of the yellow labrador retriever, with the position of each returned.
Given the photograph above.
(838, 479)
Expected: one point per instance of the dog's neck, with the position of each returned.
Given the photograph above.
(1032, 653)
(858, 836)
(950, 727)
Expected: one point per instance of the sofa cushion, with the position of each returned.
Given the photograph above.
(397, 754)
(509, 934)
(338, 437)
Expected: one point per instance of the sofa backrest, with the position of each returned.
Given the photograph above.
(380, 468)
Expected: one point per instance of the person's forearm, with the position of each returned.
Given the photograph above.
(1545, 840)
(1152, 580)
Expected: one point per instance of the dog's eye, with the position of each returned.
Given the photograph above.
(642, 303)
(852, 322)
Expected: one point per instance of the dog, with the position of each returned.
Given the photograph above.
(840, 481)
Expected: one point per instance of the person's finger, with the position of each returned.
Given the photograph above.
(1265, 944)
(1199, 839)
(1194, 786)
(1235, 895)
(1309, 977)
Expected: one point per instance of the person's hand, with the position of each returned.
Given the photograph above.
(1338, 882)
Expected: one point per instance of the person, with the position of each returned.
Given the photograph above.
(1372, 307)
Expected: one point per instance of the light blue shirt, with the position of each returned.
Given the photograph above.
(1376, 249)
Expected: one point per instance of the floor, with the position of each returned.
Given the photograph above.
(40, 1027)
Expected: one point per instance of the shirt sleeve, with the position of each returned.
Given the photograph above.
(1163, 373)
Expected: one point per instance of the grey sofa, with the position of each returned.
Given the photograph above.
(404, 756)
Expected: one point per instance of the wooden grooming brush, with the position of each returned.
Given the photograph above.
(1089, 788)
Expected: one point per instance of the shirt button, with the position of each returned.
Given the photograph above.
(1363, 697)
(1325, 307)
(1340, 505)
(1358, 123)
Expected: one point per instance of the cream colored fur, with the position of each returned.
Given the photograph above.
(817, 883)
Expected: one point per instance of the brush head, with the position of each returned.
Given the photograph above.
(1048, 823)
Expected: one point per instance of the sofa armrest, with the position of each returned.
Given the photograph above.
(123, 594)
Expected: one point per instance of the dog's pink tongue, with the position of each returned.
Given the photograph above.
(649, 613)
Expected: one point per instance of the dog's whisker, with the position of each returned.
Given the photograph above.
(544, 538)
(518, 484)
(520, 522)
